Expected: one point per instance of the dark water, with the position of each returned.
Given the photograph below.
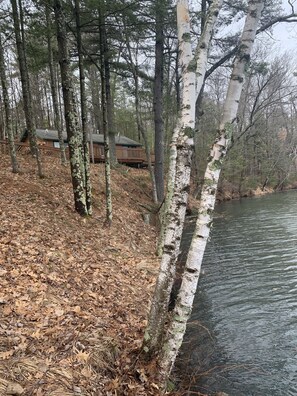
(242, 339)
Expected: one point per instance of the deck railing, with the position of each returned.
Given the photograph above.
(125, 155)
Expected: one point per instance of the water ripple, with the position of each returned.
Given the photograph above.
(247, 300)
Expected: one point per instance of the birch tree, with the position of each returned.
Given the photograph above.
(184, 303)
(199, 65)
(192, 72)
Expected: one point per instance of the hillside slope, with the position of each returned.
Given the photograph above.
(74, 295)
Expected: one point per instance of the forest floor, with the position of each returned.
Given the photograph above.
(74, 294)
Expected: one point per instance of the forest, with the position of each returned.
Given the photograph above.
(117, 120)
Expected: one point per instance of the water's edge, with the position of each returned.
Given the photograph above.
(242, 338)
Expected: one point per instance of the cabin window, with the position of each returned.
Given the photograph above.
(57, 144)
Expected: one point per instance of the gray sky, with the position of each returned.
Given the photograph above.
(283, 37)
(285, 34)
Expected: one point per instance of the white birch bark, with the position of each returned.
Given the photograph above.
(183, 308)
(159, 305)
(188, 86)
(201, 53)
(179, 172)
(188, 65)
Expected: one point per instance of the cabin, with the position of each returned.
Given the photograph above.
(128, 151)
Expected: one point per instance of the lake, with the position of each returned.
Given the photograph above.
(242, 338)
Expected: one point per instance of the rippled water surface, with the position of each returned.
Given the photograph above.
(243, 334)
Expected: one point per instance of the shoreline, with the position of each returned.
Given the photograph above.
(224, 196)
(227, 195)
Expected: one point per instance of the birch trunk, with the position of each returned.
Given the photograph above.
(159, 306)
(8, 120)
(57, 118)
(199, 65)
(73, 133)
(160, 301)
(183, 308)
(179, 173)
(185, 57)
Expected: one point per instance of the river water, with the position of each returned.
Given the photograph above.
(242, 338)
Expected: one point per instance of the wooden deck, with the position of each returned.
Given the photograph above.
(125, 155)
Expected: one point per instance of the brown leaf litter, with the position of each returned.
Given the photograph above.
(74, 295)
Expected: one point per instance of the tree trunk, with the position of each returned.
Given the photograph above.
(95, 89)
(25, 86)
(171, 233)
(187, 65)
(179, 176)
(83, 99)
(158, 99)
(109, 104)
(48, 106)
(36, 99)
(140, 127)
(15, 109)
(142, 132)
(203, 14)
(105, 122)
(73, 133)
(55, 100)
(199, 115)
(8, 120)
(107, 85)
(183, 307)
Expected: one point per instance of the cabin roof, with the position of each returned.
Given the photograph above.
(51, 134)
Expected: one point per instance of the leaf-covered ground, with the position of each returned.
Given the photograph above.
(74, 295)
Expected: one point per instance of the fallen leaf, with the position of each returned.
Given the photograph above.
(14, 389)
(6, 354)
(6, 310)
(82, 356)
